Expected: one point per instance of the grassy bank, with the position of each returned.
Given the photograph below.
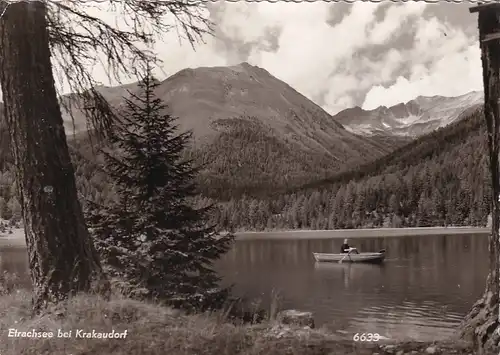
(362, 233)
(152, 329)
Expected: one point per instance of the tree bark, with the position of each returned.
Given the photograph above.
(482, 324)
(62, 258)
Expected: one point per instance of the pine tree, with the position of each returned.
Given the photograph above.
(152, 236)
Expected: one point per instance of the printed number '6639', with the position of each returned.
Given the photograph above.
(366, 337)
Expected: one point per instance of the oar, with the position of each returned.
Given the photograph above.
(349, 252)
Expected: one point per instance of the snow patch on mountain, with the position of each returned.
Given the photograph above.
(414, 118)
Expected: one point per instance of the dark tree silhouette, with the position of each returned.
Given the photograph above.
(482, 324)
(61, 255)
(151, 235)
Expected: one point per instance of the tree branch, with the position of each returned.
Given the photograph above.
(80, 41)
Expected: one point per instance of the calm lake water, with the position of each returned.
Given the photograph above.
(421, 292)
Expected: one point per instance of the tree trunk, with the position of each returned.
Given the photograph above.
(482, 324)
(62, 258)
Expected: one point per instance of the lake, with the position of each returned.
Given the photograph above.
(422, 291)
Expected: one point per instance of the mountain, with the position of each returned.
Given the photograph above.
(439, 179)
(414, 118)
(254, 132)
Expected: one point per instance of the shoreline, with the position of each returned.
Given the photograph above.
(13, 238)
(360, 233)
(16, 238)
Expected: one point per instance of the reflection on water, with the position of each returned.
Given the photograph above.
(348, 271)
(421, 292)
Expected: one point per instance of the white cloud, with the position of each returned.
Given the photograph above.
(444, 61)
(383, 31)
(295, 43)
(177, 54)
(310, 50)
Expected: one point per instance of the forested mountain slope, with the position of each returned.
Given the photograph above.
(439, 179)
(254, 134)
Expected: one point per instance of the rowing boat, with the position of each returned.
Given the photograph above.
(351, 257)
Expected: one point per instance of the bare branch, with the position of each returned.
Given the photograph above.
(80, 41)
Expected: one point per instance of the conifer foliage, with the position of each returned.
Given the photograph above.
(151, 237)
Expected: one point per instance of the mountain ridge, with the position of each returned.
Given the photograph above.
(414, 118)
(202, 96)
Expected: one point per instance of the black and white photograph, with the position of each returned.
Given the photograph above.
(249, 177)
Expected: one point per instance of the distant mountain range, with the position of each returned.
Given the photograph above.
(213, 99)
(414, 118)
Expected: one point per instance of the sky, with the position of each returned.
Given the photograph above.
(339, 55)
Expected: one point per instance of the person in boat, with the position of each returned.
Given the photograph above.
(346, 248)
